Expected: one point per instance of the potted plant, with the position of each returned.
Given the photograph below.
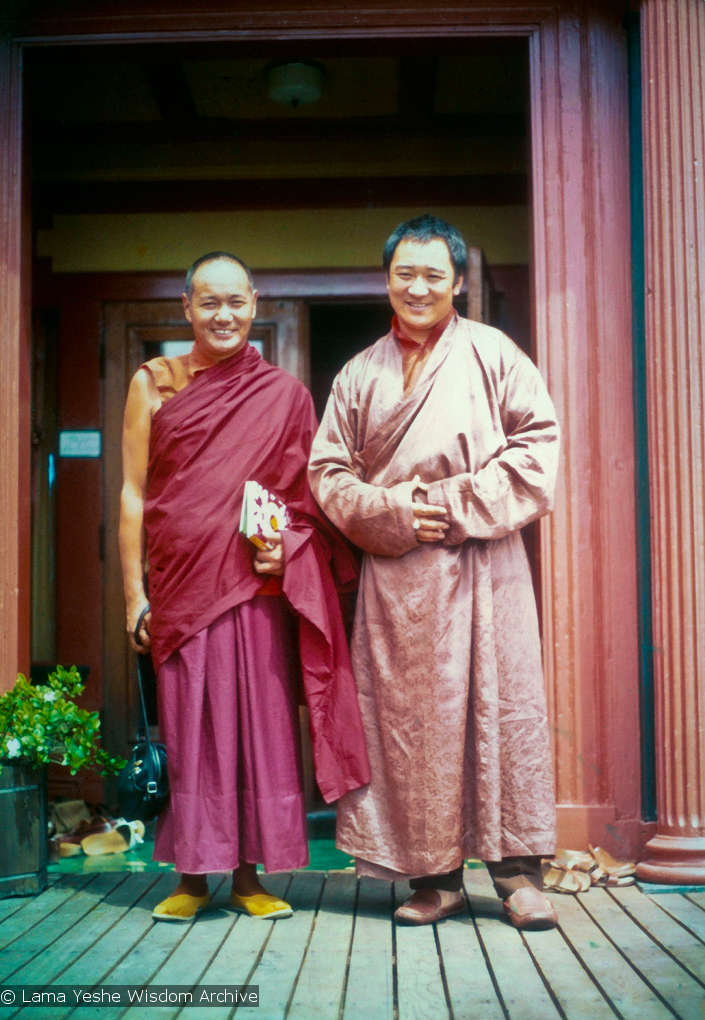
(39, 724)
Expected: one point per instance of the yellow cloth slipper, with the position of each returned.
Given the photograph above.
(180, 908)
(261, 905)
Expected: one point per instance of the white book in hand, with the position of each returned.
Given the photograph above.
(262, 515)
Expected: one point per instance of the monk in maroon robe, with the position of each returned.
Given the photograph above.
(232, 629)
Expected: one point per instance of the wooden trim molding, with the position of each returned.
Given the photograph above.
(61, 197)
(673, 62)
(50, 288)
(15, 395)
(583, 346)
(356, 284)
(181, 21)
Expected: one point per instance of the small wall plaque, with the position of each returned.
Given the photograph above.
(85, 443)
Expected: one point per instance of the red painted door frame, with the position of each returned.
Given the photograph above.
(582, 328)
(15, 378)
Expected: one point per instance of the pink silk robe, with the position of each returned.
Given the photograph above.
(445, 648)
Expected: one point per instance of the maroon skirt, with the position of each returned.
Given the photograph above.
(228, 715)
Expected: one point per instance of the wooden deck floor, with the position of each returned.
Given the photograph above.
(618, 954)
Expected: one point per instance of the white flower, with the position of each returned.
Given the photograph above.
(13, 747)
(50, 696)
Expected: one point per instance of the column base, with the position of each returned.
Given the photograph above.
(674, 860)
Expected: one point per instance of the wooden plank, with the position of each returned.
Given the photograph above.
(680, 907)
(319, 990)
(370, 988)
(47, 931)
(666, 977)
(520, 985)
(576, 993)
(698, 898)
(193, 954)
(623, 987)
(140, 965)
(239, 953)
(38, 908)
(111, 935)
(123, 938)
(472, 993)
(654, 888)
(12, 904)
(421, 995)
(687, 949)
(278, 969)
(48, 964)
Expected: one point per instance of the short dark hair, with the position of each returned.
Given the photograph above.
(214, 256)
(429, 228)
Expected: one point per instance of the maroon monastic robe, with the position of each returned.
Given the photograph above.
(245, 419)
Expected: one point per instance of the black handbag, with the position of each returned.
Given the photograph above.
(143, 785)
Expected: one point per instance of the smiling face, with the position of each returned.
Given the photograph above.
(421, 285)
(221, 308)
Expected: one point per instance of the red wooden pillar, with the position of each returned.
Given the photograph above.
(15, 375)
(673, 73)
(583, 329)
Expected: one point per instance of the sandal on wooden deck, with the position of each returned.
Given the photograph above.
(577, 860)
(124, 836)
(68, 844)
(613, 880)
(564, 880)
(69, 850)
(612, 867)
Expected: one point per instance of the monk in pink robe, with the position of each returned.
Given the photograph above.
(438, 444)
(233, 630)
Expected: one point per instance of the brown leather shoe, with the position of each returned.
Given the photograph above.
(428, 905)
(530, 910)
(86, 827)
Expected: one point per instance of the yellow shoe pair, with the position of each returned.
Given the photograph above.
(184, 907)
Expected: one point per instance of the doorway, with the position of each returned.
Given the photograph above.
(338, 332)
(211, 162)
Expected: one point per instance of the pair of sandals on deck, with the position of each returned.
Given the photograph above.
(97, 836)
(574, 871)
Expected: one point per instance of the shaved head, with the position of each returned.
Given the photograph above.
(214, 256)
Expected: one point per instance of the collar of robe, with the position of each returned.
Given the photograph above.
(198, 359)
(435, 334)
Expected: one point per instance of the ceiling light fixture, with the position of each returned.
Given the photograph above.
(295, 83)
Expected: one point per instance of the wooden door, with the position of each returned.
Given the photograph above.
(135, 331)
